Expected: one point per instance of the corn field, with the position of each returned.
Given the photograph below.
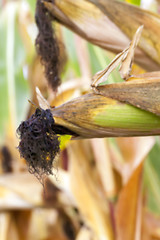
(79, 120)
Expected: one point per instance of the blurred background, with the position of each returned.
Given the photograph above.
(101, 188)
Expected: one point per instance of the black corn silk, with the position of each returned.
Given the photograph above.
(39, 144)
(46, 44)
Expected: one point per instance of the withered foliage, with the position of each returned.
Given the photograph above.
(46, 45)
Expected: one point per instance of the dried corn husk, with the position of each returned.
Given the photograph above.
(106, 24)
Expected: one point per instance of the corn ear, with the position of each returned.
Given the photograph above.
(96, 116)
(106, 24)
(128, 23)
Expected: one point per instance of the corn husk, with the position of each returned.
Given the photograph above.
(136, 17)
(93, 115)
(140, 93)
(106, 24)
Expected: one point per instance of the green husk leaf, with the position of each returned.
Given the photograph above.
(93, 115)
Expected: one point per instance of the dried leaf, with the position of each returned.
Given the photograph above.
(141, 91)
(8, 229)
(133, 150)
(27, 194)
(88, 191)
(22, 222)
(127, 60)
(128, 209)
(42, 101)
(151, 225)
(103, 75)
(103, 163)
(47, 224)
(4, 225)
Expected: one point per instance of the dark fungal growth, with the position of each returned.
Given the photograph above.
(39, 144)
(46, 45)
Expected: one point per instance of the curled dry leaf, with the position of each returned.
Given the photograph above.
(141, 91)
(41, 100)
(124, 59)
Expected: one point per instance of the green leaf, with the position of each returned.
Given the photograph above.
(152, 179)
(12, 82)
(135, 2)
(72, 63)
(32, 5)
